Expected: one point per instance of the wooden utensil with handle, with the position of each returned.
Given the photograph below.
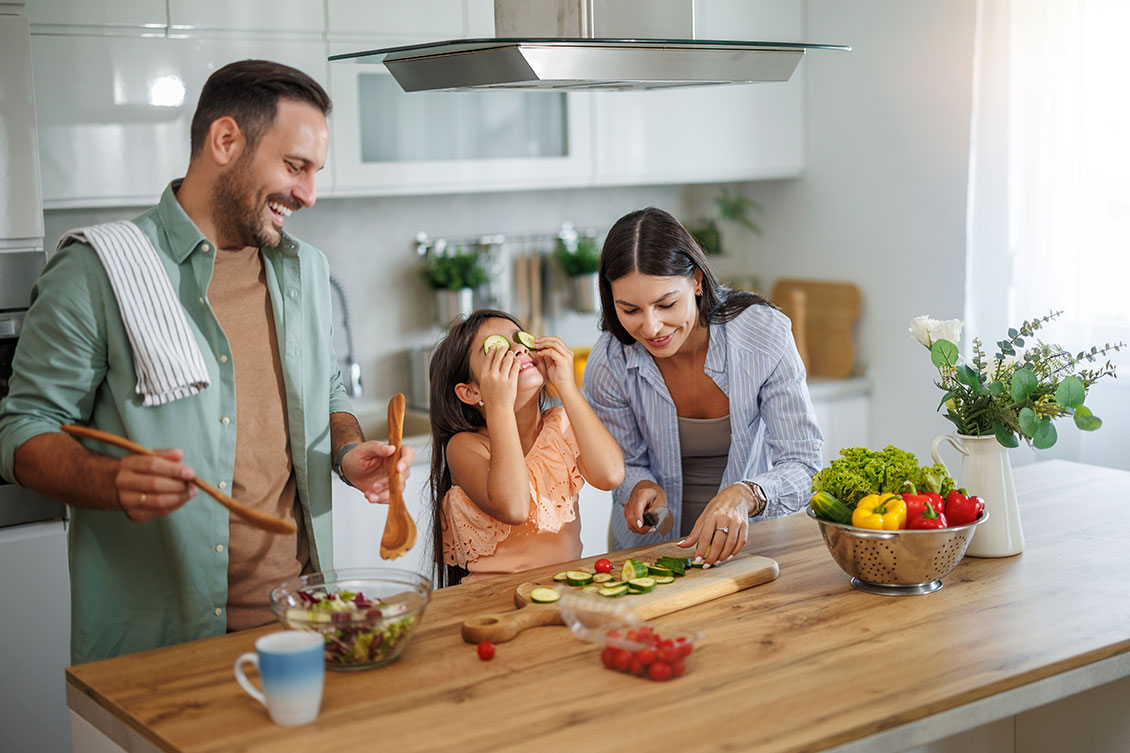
(251, 515)
(697, 586)
(400, 529)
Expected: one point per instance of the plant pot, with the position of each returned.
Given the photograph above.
(453, 303)
(987, 473)
(584, 293)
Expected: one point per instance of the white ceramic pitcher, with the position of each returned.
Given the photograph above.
(987, 473)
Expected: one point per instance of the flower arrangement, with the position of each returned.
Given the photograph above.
(1018, 392)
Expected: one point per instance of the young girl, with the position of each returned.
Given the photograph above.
(505, 472)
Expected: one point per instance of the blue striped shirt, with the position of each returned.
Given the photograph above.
(754, 361)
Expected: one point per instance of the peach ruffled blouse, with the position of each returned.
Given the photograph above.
(552, 532)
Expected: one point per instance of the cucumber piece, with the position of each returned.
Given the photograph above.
(544, 595)
(658, 570)
(578, 578)
(632, 569)
(643, 585)
(525, 338)
(561, 576)
(495, 341)
(614, 583)
(677, 565)
(664, 579)
(591, 589)
(602, 578)
(613, 591)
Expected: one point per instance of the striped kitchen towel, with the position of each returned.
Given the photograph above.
(167, 359)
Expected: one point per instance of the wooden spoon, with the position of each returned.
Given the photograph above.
(254, 517)
(400, 529)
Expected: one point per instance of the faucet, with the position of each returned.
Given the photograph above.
(352, 368)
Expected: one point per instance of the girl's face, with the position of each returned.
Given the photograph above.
(531, 377)
(660, 312)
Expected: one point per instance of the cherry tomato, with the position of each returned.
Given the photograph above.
(623, 659)
(669, 653)
(660, 671)
(637, 667)
(602, 565)
(646, 655)
(486, 650)
(678, 667)
(608, 657)
(685, 647)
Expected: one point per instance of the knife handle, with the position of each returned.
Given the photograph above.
(501, 627)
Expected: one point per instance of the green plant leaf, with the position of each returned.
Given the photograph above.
(996, 388)
(969, 378)
(1086, 420)
(1029, 424)
(946, 397)
(1071, 393)
(1045, 435)
(1024, 382)
(1005, 435)
(943, 353)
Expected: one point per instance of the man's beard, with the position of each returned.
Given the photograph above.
(239, 222)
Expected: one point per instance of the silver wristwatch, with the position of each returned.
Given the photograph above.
(759, 498)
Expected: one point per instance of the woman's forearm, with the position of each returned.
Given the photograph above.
(601, 458)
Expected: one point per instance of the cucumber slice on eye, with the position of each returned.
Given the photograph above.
(525, 338)
(495, 341)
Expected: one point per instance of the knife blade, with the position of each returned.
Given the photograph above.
(660, 519)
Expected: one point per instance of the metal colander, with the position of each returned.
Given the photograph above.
(896, 563)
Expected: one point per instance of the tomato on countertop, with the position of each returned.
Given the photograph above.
(602, 565)
(486, 650)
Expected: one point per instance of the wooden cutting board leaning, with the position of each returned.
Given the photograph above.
(823, 314)
(699, 585)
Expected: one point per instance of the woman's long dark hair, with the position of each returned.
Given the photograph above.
(652, 242)
(451, 365)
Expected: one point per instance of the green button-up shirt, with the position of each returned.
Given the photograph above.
(135, 586)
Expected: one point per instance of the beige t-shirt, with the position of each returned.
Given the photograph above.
(264, 475)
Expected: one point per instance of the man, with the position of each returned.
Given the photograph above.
(265, 420)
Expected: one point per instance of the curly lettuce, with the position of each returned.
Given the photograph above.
(860, 471)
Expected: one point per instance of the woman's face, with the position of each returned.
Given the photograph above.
(660, 312)
(532, 373)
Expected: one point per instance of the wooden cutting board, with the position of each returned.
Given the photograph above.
(823, 315)
(697, 586)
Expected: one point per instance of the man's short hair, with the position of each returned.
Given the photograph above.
(249, 91)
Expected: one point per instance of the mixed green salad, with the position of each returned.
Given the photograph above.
(357, 630)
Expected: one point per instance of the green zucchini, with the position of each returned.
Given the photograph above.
(827, 507)
(578, 578)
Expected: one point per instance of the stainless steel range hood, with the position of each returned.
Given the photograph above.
(588, 44)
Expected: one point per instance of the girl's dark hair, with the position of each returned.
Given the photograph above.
(451, 365)
(249, 92)
(652, 242)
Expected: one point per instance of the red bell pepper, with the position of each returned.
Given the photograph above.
(924, 517)
(962, 510)
(916, 502)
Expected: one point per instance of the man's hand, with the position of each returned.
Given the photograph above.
(367, 466)
(151, 487)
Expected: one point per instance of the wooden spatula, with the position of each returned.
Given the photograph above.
(251, 515)
(400, 529)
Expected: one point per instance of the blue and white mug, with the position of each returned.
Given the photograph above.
(292, 669)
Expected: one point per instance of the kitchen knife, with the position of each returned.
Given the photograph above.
(660, 518)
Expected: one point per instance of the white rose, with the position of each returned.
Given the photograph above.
(928, 331)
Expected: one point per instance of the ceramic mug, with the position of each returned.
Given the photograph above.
(292, 669)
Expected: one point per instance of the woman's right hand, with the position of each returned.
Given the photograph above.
(498, 381)
(646, 495)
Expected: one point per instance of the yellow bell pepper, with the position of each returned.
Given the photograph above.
(882, 512)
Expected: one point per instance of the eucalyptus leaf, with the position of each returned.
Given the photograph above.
(943, 353)
(996, 388)
(1071, 393)
(1029, 423)
(1045, 435)
(1024, 382)
(1086, 420)
(1004, 435)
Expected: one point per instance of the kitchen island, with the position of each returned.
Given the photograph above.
(802, 663)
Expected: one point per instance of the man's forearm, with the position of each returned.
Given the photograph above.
(58, 467)
(344, 430)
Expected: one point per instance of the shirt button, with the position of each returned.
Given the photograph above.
(205, 248)
(223, 359)
(223, 484)
(201, 299)
(219, 547)
(217, 611)
(292, 293)
(225, 420)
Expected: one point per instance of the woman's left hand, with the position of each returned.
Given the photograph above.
(722, 529)
(558, 360)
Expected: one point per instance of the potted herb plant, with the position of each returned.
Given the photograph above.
(732, 207)
(453, 277)
(579, 258)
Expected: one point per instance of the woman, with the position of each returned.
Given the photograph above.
(703, 389)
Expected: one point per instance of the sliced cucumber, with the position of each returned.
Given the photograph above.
(578, 578)
(602, 578)
(561, 576)
(525, 338)
(643, 585)
(658, 570)
(544, 595)
(613, 591)
(632, 569)
(614, 583)
(495, 341)
(590, 589)
(664, 579)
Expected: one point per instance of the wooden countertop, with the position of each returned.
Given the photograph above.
(804, 663)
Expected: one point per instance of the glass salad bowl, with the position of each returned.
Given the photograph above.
(366, 615)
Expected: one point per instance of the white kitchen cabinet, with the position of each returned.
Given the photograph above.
(118, 131)
(386, 141)
(424, 20)
(596, 512)
(288, 16)
(712, 133)
(21, 215)
(843, 411)
(103, 16)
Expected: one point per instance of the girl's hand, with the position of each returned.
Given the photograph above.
(558, 360)
(498, 381)
(723, 527)
(646, 495)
